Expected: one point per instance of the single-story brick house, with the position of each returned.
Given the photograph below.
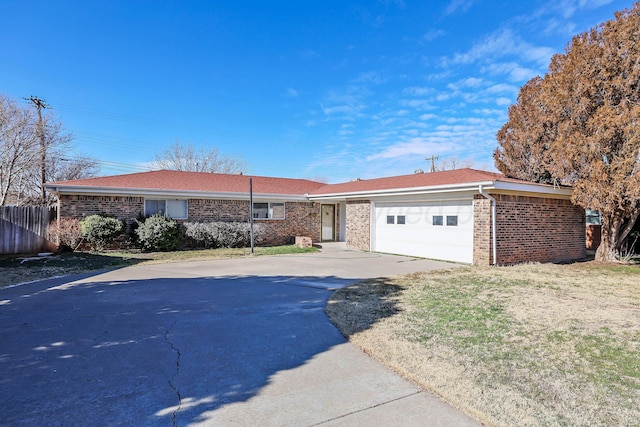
(462, 215)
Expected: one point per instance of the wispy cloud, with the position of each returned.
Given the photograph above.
(350, 102)
(309, 54)
(458, 6)
(400, 146)
(421, 146)
(418, 91)
(291, 92)
(347, 111)
(367, 77)
(502, 88)
(417, 104)
(514, 71)
(501, 43)
(432, 35)
(568, 8)
(556, 17)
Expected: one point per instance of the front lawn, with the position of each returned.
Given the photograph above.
(536, 344)
(21, 269)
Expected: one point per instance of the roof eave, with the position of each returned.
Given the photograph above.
(523, 187)
(405, 191)
(146, 192)
(533, 188)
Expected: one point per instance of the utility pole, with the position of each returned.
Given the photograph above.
(251, 212)
(40, 104)
(433, 163)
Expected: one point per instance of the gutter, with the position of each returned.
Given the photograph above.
(445, 188)
(493, 224)
(525, 187)
(152, 192)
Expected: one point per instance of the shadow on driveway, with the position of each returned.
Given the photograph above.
(161, 351)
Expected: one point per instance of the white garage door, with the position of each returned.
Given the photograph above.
(438, 230)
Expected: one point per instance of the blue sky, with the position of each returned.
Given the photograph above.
(329, 90)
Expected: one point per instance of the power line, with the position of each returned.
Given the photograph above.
(120, 116)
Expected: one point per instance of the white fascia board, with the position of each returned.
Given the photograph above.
(449, 188)
(406, 191)
(145, 192)
(531, 188)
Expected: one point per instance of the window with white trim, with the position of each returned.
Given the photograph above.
(174, 208)
(271, 210)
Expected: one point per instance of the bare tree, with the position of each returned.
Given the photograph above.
(68, 168)
(17, 146)
(21, 153)
(452, 163)
(186, 158)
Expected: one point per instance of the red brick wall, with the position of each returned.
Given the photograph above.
(301, 218)
(207, 210)
(358, 227)
(530, 229)
(482, 253)
(81, 206)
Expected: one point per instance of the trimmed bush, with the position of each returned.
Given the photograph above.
(66, 233)
(224, 234)
(158, 233)
(101, 230)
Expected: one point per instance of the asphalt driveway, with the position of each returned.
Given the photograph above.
(228, 342)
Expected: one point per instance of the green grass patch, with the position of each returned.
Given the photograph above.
(612, 361)
(536, 344)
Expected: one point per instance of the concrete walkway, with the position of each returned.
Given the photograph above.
(231, 342)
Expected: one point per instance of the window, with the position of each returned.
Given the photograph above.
(390, 219)
(268, 210)
(437, 220)
(176, 209)
(152, 207)
(452, 220)
(593, 217)
(401, 219)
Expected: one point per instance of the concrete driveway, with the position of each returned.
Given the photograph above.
(230, 342)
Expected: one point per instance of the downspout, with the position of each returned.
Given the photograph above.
(493, 223)
(58, 197)
(372, 225)
(58, 212)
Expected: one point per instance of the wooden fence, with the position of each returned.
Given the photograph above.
(23, 229)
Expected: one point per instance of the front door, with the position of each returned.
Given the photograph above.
(328, 222)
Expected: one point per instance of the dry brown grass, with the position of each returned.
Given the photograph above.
(534, 344)
(14, 269)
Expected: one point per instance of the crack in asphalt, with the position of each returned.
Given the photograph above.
(174, 415)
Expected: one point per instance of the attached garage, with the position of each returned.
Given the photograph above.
(465, 215)
(439, 230)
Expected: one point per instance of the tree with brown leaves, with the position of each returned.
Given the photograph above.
(524, 141)
(582, 126)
